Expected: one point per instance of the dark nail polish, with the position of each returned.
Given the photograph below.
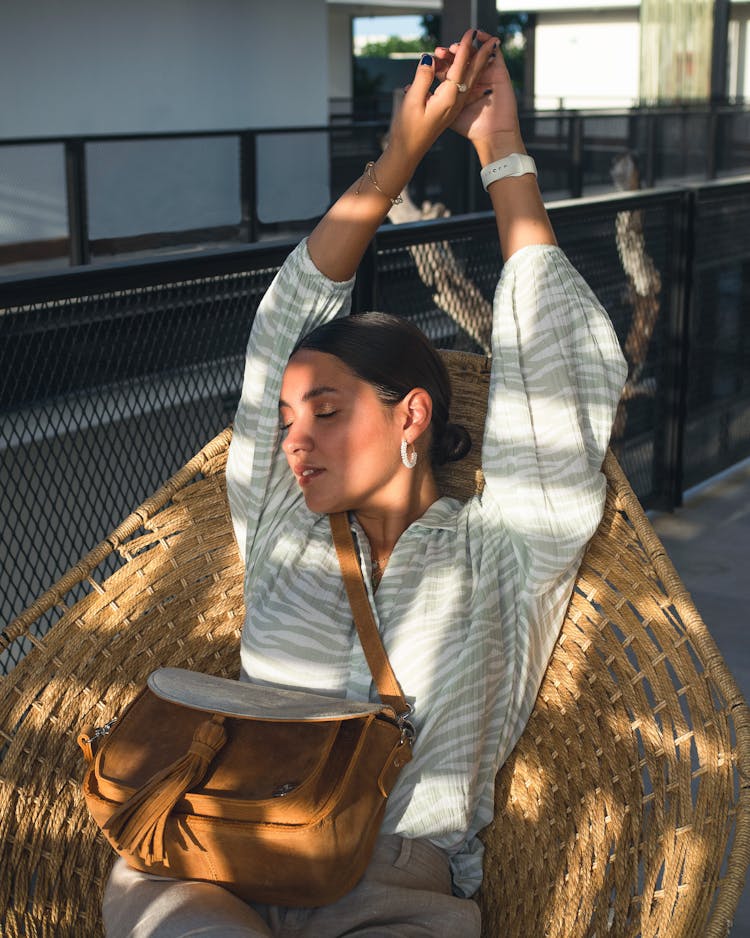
(488, 91)
(426, 60)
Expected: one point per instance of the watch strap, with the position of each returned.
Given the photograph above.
(515, 164)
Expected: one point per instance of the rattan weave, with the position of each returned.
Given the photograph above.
(623, 810)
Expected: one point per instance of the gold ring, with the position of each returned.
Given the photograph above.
(459, 84)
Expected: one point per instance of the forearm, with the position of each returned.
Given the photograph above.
(339, 241)
(341, 237)
(516, 200)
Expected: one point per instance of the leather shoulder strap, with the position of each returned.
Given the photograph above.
(385, 680)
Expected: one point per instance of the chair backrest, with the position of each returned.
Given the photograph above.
(617, 812)
(470, 377)
(621, 805)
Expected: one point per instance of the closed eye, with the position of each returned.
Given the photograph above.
(323, 415)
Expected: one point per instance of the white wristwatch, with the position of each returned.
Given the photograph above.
(515, 164)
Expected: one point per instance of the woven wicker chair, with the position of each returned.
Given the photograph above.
(621, 812)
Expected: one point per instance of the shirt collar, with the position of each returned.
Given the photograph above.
(441, 515)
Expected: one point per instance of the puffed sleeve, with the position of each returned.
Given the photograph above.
(557, 376)
(299, 299)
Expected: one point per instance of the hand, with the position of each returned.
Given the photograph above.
(341, 237)
(490, 119)
(423, 115)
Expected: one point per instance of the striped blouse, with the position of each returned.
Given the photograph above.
(474, 594)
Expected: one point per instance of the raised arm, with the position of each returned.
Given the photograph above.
(340, 239)
(490, 122)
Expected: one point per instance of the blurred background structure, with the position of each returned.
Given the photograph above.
(133, 128)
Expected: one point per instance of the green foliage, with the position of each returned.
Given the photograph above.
(514, 59)
(431, 25)
(381, 50)
(508, 25)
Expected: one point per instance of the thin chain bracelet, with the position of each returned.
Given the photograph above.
(370, 173)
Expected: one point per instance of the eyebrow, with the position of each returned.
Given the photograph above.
(312, 393)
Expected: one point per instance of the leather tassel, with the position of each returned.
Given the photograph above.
(137, 826)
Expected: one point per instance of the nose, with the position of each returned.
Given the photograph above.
(297, 439)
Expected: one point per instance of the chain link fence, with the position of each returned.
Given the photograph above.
(111, 378)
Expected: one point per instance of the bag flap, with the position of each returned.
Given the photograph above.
(259, 702)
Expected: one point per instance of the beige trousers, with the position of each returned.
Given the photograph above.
(405, 893)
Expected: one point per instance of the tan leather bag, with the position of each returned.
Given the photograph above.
(276, 795)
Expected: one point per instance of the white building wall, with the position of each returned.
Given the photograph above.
(739, 51)
(106, 66)
(587, 59)
(339, 53)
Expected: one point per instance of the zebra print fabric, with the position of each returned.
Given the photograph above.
(474, 594)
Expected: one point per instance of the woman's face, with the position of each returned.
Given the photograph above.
(341, 442)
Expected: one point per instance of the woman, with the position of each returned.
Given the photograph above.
(469, 597)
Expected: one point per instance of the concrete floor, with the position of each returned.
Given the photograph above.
(708, 540)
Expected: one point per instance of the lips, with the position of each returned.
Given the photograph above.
(307, 474)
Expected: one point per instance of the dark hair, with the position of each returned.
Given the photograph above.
(394, 357)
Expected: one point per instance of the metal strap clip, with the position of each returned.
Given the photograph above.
(100, 731)
(408, 733)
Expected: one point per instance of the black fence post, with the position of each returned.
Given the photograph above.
(649, 176)
(475, 201)
(248, 185)
(365, 295)
(634, 131)
(575, 156)
(677, 349)
(712, 141)
(75, 187)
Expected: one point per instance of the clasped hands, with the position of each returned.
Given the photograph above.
(485, 113)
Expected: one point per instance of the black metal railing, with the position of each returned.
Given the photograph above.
(112, 377)
(80, 200)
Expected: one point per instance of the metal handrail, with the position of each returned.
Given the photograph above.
(566, 151)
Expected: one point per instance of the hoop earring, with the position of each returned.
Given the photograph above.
(409, 461)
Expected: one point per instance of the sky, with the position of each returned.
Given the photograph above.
(407, 27)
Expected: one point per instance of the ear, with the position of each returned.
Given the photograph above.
(416, 410)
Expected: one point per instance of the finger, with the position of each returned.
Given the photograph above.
(487, 53)
(423, 77)
(452, 79)
(495, 69)
(482, 36)
(443, 61)
(472, 72)
(463, 52)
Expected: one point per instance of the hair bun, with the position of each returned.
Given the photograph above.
(453, 445)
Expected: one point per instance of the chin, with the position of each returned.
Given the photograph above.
(321, 506)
